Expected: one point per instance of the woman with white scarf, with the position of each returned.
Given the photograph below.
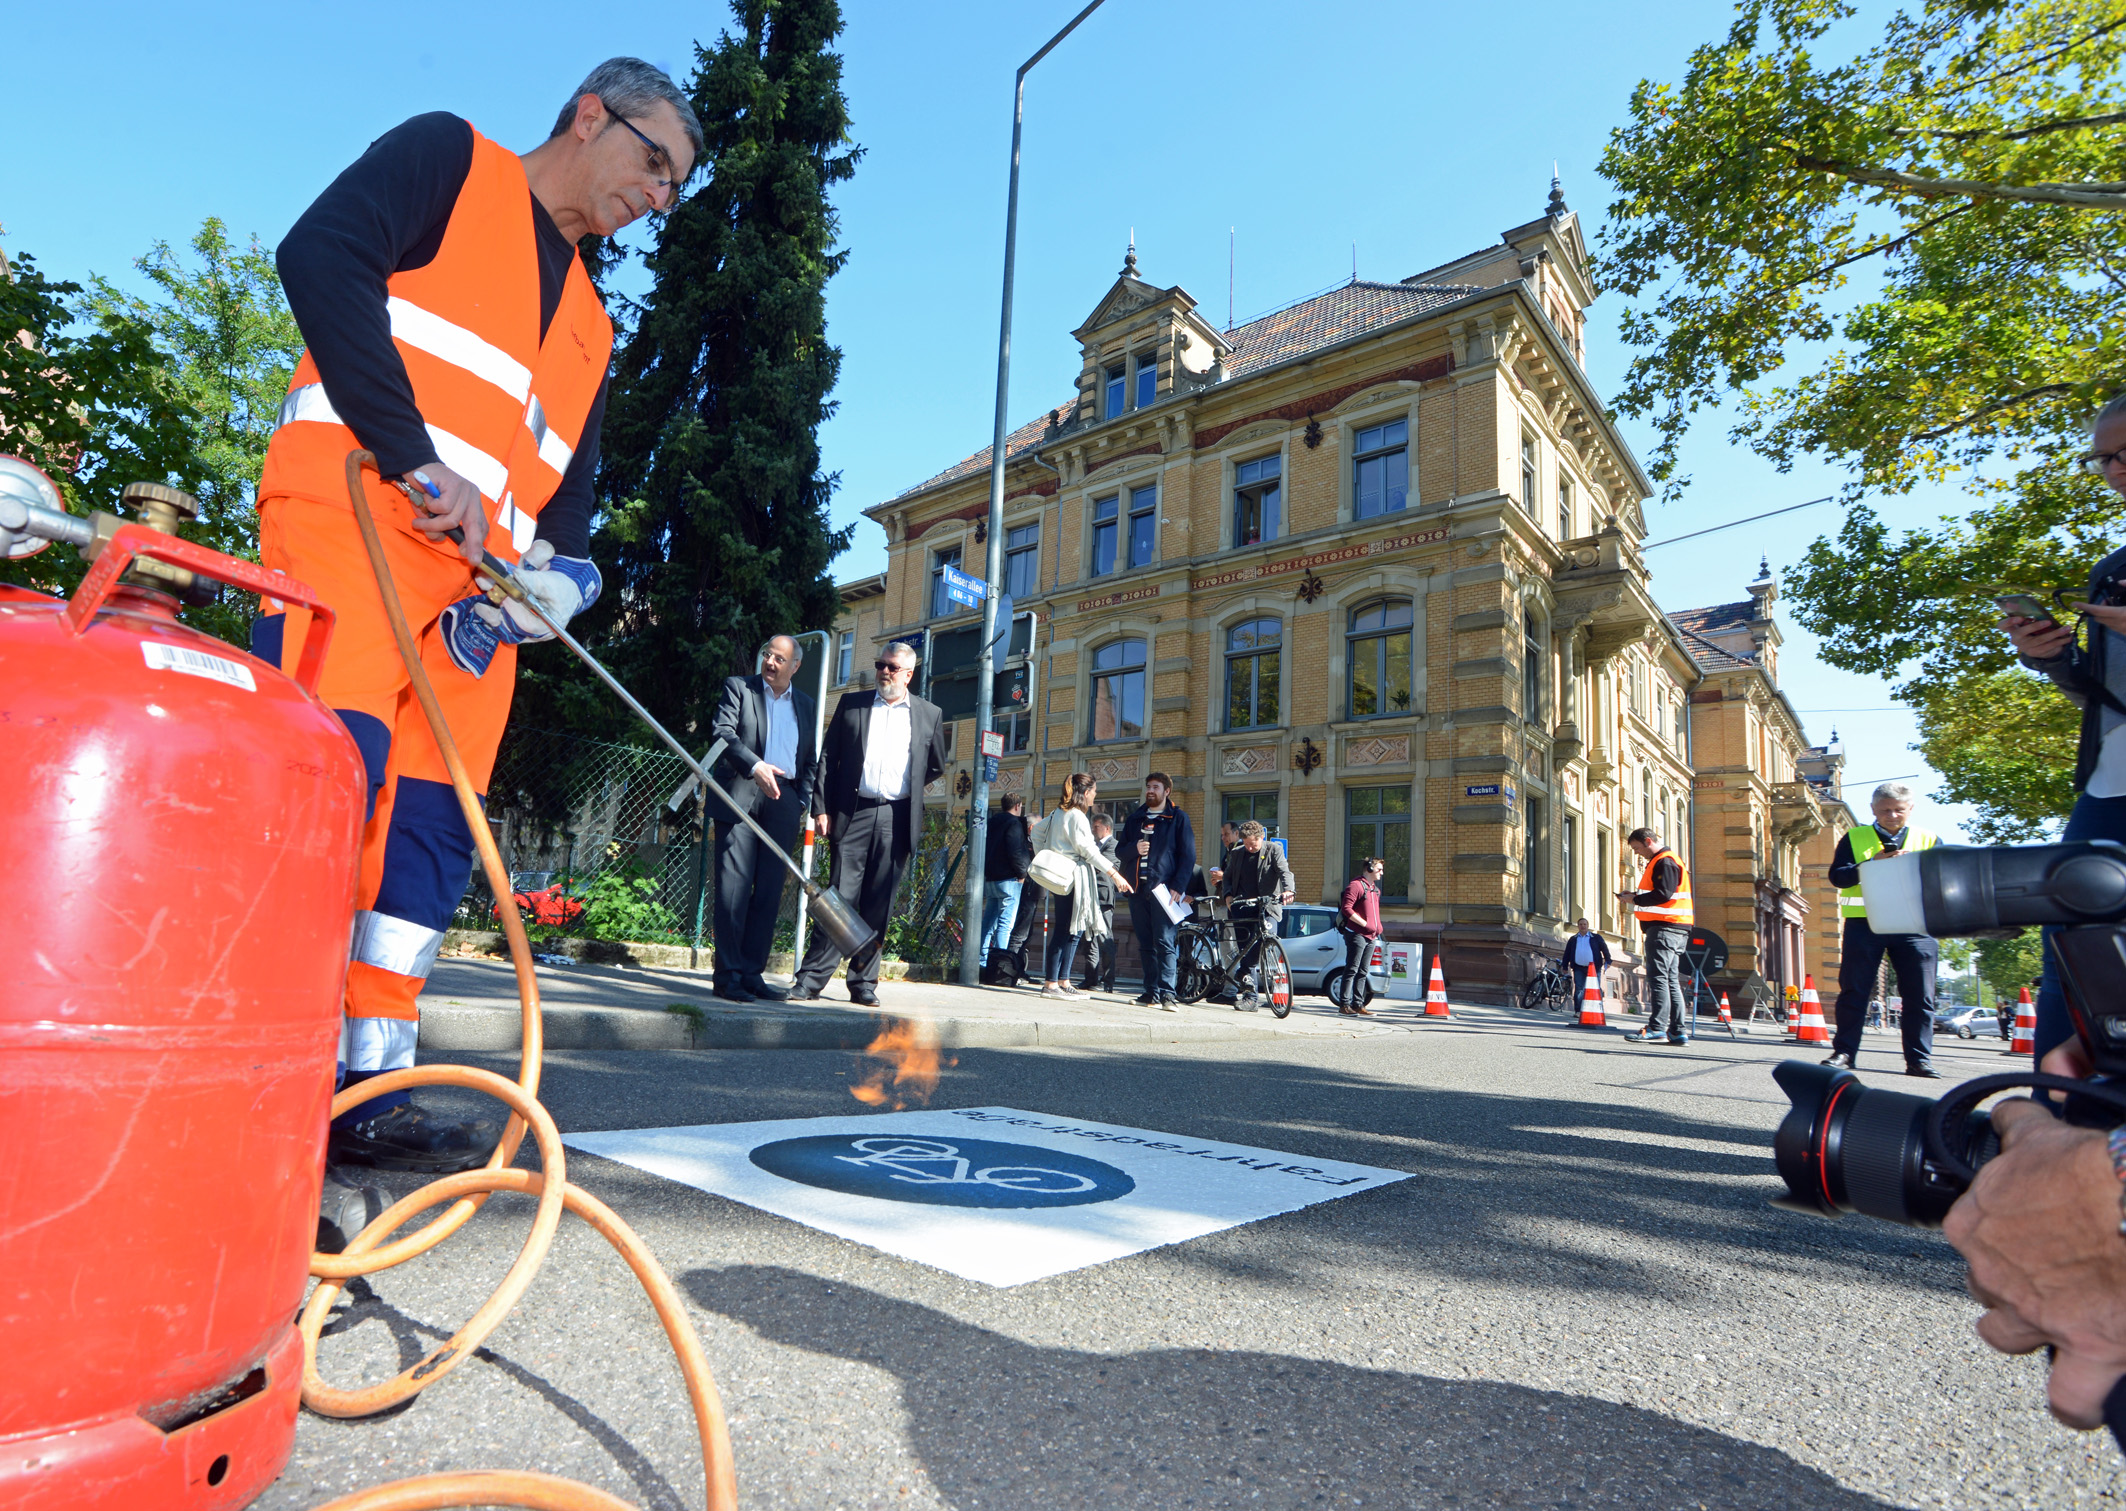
(1074, 914)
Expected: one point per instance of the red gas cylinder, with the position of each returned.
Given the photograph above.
(181, 827)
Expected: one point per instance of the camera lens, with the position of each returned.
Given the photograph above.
(1846, 1147)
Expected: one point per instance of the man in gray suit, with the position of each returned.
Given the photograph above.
(883, 747)
(768, 766)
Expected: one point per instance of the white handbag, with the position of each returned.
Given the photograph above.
(1050, 869)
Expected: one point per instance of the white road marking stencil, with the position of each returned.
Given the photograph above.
(987, 1193)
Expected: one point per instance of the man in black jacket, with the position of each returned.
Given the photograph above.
(1585, 951)
(1008, 852)
(1100, 948)
(1256, 881)
(2094, 679)
(1158, 849)
(883, 747)
(768, 765)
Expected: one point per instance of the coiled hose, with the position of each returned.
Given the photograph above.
(368, 1252)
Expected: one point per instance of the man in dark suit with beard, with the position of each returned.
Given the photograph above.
(768, 766)
(882, 748)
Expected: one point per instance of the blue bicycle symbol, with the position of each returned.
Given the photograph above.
(941, 1172)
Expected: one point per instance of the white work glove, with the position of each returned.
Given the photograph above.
(563, 586)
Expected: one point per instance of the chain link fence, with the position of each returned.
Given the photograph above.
(595, 850)
(591, 844)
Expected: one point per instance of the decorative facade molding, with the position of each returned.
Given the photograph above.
(1248, 760)
(1377, 750)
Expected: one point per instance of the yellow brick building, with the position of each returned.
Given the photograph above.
(1366, 569)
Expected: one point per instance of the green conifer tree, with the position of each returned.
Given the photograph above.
(713, 531)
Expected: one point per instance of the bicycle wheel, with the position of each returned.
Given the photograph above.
(1276, 978)
(1536, 995)
(1195, 969)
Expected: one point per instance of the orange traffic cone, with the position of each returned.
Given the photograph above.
(1592, 1013)
(1811, 1029)
(1436, 992)
(2025, 1040)
(1726, 1015)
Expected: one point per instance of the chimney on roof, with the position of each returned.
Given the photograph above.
(1556, 207)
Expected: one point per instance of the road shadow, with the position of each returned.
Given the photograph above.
(1001, 1423)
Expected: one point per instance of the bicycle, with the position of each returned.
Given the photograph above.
(1208, 949)
(1550, 990)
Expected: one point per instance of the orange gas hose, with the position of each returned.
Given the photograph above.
(367, 1253)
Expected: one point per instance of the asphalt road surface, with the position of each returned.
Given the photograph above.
(1581, 1299)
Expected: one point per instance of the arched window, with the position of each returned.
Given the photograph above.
(1649, 816)
(1377, 653)
(1118, 692)
(1254, 665)
(1676, 841)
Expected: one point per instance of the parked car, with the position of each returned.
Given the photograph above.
(540, 900)
(1966, 1022)
(1313, 948)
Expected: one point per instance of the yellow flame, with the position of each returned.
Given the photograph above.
(908, 1048)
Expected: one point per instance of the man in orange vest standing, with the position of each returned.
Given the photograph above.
(452, 330)
(1662, 905)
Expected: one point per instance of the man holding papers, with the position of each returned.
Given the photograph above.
(1158, 852)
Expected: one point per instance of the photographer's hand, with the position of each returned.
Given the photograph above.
(2112, 616)
(2039, 639)
(2040, 1231)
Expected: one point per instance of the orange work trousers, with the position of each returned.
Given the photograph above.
(417, 853)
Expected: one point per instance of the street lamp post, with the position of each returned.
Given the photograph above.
(985, 664)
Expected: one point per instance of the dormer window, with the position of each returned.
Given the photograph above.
(1147, 379)
(1116, 392)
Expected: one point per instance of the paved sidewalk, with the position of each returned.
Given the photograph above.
(471, 1005)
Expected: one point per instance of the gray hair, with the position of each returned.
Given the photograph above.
(900, 649)
(1892, 792)
(631, 87)
(2110, 411)
(797, 647)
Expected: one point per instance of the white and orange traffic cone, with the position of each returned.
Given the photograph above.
(1592, 1013)
(1811, 1029)
(1436, 992)
(2025, 1040)
(1727, 1015)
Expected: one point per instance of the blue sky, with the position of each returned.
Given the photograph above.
(1412, 133)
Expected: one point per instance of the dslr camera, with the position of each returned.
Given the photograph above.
(1848, 1147)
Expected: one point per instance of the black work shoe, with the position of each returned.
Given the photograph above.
(407, 1138)
(759, 987)
(1146, 999)
(1840, 1062)
(863, 998)
(731, 991)
(1923, 1071)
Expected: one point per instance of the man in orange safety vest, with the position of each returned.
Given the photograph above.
(452, 330)
(1661, 902)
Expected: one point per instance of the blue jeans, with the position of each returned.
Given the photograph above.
(1155, 942)
(1000, 906)
(1062, 937)
(2092, 818)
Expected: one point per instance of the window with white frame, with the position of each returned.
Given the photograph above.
(1254, 663)
(941, 603)
(1528, 473)
(1377, 660)
(1258, 500)
(1565, 530)
(1022, 561)
(844, 656)
(1380, 478)
(1118, 692)
(1531, 669)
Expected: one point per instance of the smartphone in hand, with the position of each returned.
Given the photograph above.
(2023, 606)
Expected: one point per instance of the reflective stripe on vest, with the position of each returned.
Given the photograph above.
(1678, 908)
(1867, 843)
(503, 408)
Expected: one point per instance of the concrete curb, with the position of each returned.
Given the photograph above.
(461, 1029)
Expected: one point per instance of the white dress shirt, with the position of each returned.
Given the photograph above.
(886, 750)
(781, 750)
(1583, 949)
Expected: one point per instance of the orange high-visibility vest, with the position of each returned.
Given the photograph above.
(505, 410)
(1677, 909)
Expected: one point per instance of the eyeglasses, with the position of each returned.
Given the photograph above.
(2101, 462)
(660, 162)
(892, 666)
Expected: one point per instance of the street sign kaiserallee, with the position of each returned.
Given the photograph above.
(961, 588)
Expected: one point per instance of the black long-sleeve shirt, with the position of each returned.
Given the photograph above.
(386, 214)
(1845, 871)
(1009, 850)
